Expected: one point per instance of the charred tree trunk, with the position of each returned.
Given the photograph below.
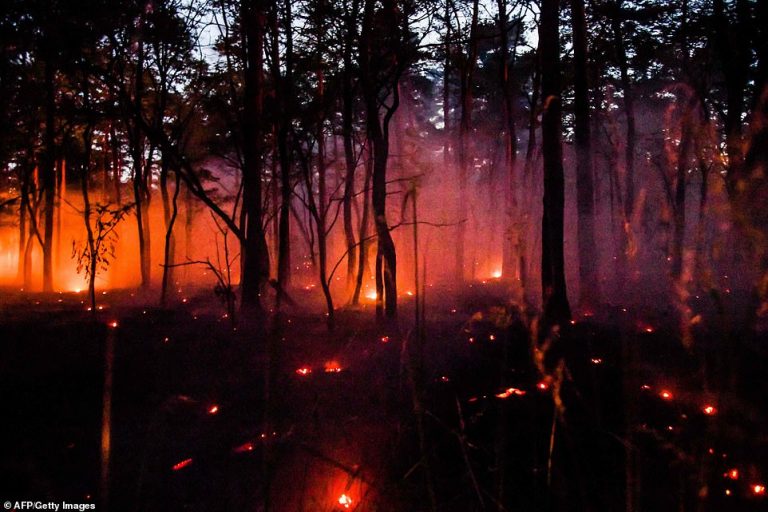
(585, 200)
(139, 180)
(255, 254)
(364, 220)
(681, 174)
(465, 160)
(510, 266)
(629, 152)
(557, 311)
(49, 174)
(377, 77)
(170, 243)
(348, 136)
(283, 92)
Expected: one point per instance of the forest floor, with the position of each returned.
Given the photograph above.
(357, 422)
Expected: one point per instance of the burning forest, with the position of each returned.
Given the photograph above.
(384, 255)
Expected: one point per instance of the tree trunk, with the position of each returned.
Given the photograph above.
(364, 244)
(49, 174)
(348, 134)
(465, 160)
(255, 254)
(555, 299)
(629, 152)
(511, 257)
(370, 64)
(585, 201)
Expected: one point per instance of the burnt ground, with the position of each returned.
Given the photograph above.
(191, 429)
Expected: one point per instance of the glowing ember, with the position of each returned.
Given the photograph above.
(758, 489)
(732, 474)
(213, 409)
(304, 371)
(345, 501)
(492, 337)
(371, 295)
(244, 448)
(666, 395)
(727, 492)
(542, 385)
(182, 464)
(709, 410)
(409, 293)
(113, 324)
(597, 360)
(496, 274)
(509, 392)
(649, 329)
(332, 367)
(645, 387)
(385, 339)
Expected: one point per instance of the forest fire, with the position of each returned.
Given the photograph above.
(385, 256)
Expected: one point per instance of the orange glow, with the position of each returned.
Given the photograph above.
(496, 274)
(244, 448)
(666, 395)
(332, 367)
(371, 295)
(509, 392)
(181, 465)
(213, 409)
(304, 371)
(345, 501)
(113, 324)
(758, 489)
(709, 410)
(542, 385)
(732, 474)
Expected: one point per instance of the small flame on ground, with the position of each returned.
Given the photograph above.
(758, 489)
(385, 339)
(542, 385)
(244, 448)
(304, 370)
(332, 367)
(666, 395)
(345, 501)
(113, 324)
(182, 464)
(496, 274)
(709, 410)
(371, 295)
(213, 409)
(732, 474)
(509, 392)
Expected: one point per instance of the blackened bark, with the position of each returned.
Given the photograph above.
(629, 149)
(557, 311)
(465, 126)
(49, 174)
(511, 249)
(377, 76)
(585, 200)
(255, 254)
(347, 134)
